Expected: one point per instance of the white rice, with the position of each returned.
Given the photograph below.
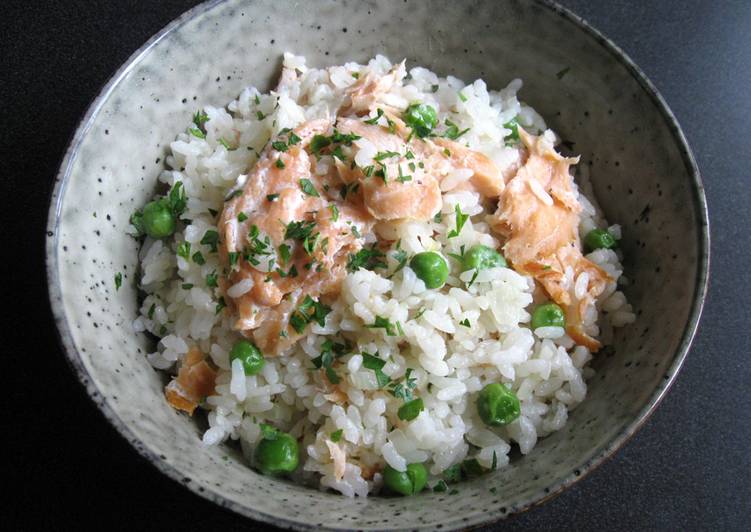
(450, 362)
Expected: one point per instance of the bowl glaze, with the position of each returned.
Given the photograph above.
(642, 171)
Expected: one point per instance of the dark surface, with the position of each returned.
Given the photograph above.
(688, 468)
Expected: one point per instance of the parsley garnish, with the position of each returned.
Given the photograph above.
(420, 313)
(383, 323)
(150, 313)
(334, 212)
(461, 219)
(257, 246)
(373, 121)
(284, 253)
(293, 139)
(452, 131)
(465, 322)
(260, 115)
(310, 310)
(447, 152)
(272, 197)
(197, 133)
(279, 163)
(376, 364)
(232, 256)
(307, 186)
(434, 88)
(460, 256)
(299, 230)
(199, 119)
(403, 390)
(278, 145)
(177, 198)
(337, 434)
(198, 258)
(438, 217)
(441, 486)
(118, 280)
(242, 217)
(183, 250)
(381, 155)
(211, 239)
(318, 143)
(474, 276)
(368, 258)
(226, 145)
(462, 97)
(403, 178)
(211, 279)
(220, 305)
(401, 257)
(187, 286)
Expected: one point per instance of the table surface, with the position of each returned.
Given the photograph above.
(688, 467)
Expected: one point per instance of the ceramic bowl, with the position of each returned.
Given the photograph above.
(643, 174)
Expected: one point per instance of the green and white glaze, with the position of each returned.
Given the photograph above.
(643, 173)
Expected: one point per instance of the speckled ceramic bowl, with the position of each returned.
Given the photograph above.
(643, 173)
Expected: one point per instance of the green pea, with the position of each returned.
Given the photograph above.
(548, 315)
(249, 354)
(431, 268)
(497, 405)
(422, 118)
(277, 456)
(411, 409)
(408, 482)
(481, 257)
(599, 239)
(158, 219)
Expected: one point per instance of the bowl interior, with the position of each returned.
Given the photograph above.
(642, 176)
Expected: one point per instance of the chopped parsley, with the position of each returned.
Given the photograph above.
(434, 88)
(279, 145)
(403, 389)
(452, 130)
(461, 219)
(183, 250)
(376, 364)
(220, 305)
(257, 247)
(177, 199)
(318, 143)
(298, 230)
(260, 115)
(279, 163)
(284, 253)
(462, 97)
(308, 188)
(465, 323)
(232, 256)
(150, 313)
(334, 212)
(329, 352)
(474, 276)
(187, 286)
(337, 434)
(403, 178)
(420, 313)
(400, 256)
(293, 139)
(199, 119)
(338, 153)
(309, 244)
(447, 152)
(118, 280)
(211, 279)
(441, 486)
(310, 310)
(242, 217)
(382, 173)
(197, 133)
(383, 323)
(373, 121)
(272, 197)
(355, 231)
(226, 145)
(198, 258)
(458, 256)
(368, 258)
(438, 217)
(411, 409)
(211, 239)
(381, 155)
(356, 75)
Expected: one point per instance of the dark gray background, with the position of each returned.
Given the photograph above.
(688, 468)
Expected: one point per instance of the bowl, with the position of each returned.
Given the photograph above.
(642, 171)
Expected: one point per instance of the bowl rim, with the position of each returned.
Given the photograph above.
(76, 364)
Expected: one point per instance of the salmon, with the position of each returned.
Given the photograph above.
(274, 197)
(194, 381)
(538, 215)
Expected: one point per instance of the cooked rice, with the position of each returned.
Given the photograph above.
(451, 362)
